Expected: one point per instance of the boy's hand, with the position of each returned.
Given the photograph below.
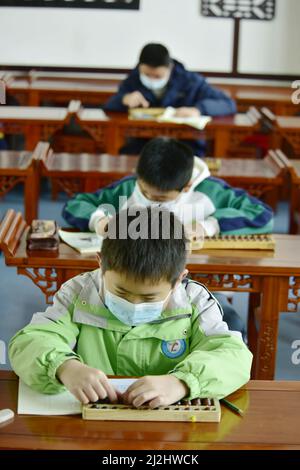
(155, 390)
(85, 383)
(101, 226)
(195, 232)
(135, 100)
(185, 111)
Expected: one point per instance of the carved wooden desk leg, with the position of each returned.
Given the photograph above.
(115, 138)
(221, 143)
(276, 140)
(32, 191)
(34, 98)
(46, 279)
(294, 208)
(252, 333)
(32, 136)
(268, 327)
(271, 197)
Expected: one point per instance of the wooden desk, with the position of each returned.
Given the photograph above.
(288, 130)
(34, 122)
(261, 178)
(110, 133)
(120, 127)
(226, 132)
(60, 91)
(295, 196)
(20, 167)
(272, 278)
(85, 172)
(89, 172)
(278, 100)
(271, 421)
(34, 88)
(99, 127)
(285, 132)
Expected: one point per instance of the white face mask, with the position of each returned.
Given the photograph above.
(143, 200)
(133, 314)
(154, 83)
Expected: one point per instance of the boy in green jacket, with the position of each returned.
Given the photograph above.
(168, 175)
(135, 316)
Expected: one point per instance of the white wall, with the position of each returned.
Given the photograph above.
(103, 38)
(272, 47)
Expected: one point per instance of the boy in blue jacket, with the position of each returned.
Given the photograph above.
(160, 81)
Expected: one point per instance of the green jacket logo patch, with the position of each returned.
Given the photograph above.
(174, 348)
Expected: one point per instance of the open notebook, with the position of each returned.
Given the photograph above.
(31, 402)
(168, 115)
(199, 122)
(84, 242)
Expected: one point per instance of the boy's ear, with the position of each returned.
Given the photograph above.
(183, 274)
(181, 277)
(187, 187)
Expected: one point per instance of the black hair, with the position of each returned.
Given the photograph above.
(150, 244)
(155, 55)
(166, 164)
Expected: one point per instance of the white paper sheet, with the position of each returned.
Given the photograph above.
(199, 122)
(34, 403)
(84, 242)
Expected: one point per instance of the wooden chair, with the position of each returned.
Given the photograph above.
(12, 228)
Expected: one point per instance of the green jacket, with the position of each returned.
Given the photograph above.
(190, 340)
(212, 202)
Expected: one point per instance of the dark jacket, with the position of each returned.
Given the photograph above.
(184, 89)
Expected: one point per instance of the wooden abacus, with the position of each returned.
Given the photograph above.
(236, 242)
(207, 410)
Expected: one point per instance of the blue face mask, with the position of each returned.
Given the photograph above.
(154, 83)
(133, 314)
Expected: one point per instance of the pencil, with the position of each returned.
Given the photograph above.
(232, 407)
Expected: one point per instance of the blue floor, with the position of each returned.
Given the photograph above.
(20, 298)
